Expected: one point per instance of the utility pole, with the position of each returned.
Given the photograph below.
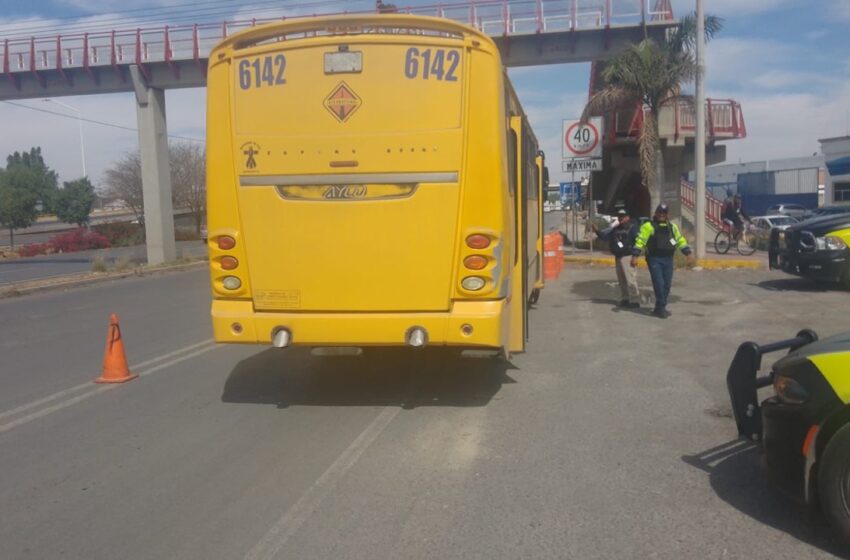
(699, 141)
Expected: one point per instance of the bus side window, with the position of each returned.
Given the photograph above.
(512, 162)
(513, 154)
(533, 181)
(533, 176)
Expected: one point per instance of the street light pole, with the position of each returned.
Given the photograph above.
(80, 123)
(699, 140)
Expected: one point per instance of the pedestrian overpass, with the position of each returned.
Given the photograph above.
(148, 61)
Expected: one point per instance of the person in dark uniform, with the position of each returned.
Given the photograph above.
(660, 238)
(621, 241)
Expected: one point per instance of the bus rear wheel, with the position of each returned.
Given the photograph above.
(834, 483)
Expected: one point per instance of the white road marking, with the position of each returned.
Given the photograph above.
(48, 277)
(295, 516)
(100, 388)
(75, 388)
(18, 269)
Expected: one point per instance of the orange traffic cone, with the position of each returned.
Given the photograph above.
(115, 368)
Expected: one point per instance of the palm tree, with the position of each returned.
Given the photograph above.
(650, 74)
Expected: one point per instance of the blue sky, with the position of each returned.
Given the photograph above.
(786, 61)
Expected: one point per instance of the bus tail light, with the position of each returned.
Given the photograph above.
(477, 241)
(225, 243)
(473, 283)
(229, 263)
(475, 262)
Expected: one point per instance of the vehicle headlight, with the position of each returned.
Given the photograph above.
(789, 390)
(833, 243)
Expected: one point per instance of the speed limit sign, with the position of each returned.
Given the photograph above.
(582, 140)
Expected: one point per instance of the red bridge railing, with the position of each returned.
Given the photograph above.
(724, 119)
(164, 43)
(713, 206)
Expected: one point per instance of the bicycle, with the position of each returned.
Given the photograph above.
(745, 239)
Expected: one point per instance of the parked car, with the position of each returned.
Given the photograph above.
(780, 221)
(807, 411)
(830, 210)
(765, 224)
(818, 248)
(795, 210)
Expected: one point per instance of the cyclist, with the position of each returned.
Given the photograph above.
(734, 215)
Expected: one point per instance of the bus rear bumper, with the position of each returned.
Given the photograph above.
(237, 322)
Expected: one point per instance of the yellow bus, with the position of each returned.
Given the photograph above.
(371, 181)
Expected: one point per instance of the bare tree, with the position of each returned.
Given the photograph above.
(188, 179)
(124, 182)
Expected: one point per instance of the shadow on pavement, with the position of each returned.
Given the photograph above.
(607, 292)
(380, 377)
(795, 284)
(736, 476)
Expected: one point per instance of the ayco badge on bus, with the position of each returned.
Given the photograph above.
(342, 102)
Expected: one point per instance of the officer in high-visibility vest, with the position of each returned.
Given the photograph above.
(660, 238)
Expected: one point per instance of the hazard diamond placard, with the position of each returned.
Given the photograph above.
(342, 102)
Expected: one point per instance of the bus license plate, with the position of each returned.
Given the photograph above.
(343, 62)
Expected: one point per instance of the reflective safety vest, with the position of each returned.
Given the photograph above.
(660, 239)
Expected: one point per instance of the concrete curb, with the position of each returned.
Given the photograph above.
(706, 264)
(86, 278)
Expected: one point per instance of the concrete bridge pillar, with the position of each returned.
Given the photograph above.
(156, 170)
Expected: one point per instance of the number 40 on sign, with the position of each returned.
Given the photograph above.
(582, 140)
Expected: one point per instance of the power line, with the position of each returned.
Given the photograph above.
(92, 121)
(79, 23)
(156, 16)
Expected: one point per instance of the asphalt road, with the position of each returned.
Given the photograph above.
(609, 438)
(51, 266)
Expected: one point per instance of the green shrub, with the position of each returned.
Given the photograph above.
(98, 264)
(121, 234)
(186, 234)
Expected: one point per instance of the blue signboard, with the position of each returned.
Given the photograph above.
(567, 192)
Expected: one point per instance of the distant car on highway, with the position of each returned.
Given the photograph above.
(795, 210)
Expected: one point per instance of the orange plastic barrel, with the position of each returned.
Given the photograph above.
(559, 247)
(551, 250)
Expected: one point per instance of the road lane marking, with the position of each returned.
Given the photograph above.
(101, 388)
(277, 536)
(49, 277)
(8, 270)
(75, 388)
